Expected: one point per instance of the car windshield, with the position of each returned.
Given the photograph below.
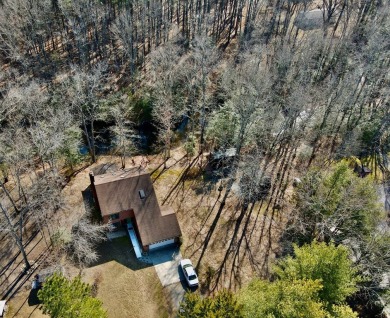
(192, 277)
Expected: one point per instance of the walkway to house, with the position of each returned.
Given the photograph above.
(134, 239)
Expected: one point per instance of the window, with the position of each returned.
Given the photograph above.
(116, 226)
(142, 194)
(114, 216)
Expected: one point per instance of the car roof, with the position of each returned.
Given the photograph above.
(190, 271)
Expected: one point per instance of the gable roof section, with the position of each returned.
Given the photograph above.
(119, 191)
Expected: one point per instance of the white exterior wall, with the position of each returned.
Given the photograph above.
(161, 244)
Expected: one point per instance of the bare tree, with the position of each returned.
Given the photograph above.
(84, 91)
(8, 224)
(85, 236)
(123, 130)
(23, 31)
(246, 103)
(32, 110)
(204, 57)
(168, 107)
(45, 199)
(124, 30)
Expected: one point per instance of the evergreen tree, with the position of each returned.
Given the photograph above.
(328, 264)
(63, 298)
(280, 299)
(334, 205)
(312, 284)
(222, 305)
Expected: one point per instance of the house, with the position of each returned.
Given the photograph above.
(128, 195)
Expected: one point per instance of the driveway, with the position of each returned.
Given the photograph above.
(166, 263)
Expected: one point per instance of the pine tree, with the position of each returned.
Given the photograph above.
(63, 298)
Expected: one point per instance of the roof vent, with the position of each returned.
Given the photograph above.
(142, 194)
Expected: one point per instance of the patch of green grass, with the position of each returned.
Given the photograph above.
(168, 173)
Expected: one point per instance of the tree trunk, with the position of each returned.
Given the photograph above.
(18, 240)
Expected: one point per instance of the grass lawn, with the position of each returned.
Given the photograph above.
(128, 288)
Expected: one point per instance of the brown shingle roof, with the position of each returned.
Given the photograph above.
(119, 191)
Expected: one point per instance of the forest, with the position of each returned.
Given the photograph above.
(297, 90)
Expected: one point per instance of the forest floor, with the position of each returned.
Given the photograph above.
(193, 192)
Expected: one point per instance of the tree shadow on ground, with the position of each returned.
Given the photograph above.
(89, 204)
(237, 234)
(8, 286)
(119, 250)
(104, 168)
(33, 299)
(213, 175)
(164, 168)
(203, 224)
(181, 179)
(23, 280)
(7, 252)
(202, 182)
